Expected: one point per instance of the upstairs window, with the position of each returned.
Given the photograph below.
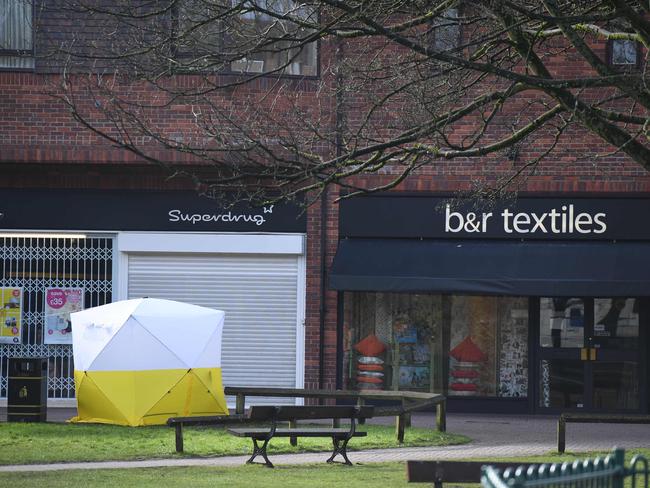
(624, 53)
(272, 37)
(198, 33)
(446, 31)
(16, 43)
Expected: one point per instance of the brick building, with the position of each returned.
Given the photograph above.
(533, 305)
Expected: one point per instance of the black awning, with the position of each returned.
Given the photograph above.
(493, 267)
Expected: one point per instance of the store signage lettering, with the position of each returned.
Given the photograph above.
(565, 220)
(158, 211)
(195, 218)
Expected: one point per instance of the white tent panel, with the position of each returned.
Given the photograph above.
(259, 294)
(133, 348)
(186, 336)
(206, 359)
(95, 327)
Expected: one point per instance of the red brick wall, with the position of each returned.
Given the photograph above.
(41, 146)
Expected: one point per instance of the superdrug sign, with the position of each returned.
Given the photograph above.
(107, 210)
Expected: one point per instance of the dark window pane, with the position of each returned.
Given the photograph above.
(561, 322)
(446, 31)
(273, 44)
(616, 385)
(616, 323)
(624, 52)
(562, 383)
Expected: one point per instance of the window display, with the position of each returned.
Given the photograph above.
(458, 345)
(393, 342)
(370, 366)
(488, 353)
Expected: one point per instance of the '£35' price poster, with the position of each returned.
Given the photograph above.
(59, 304)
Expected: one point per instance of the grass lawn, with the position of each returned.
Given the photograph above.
(312, 476)
(26, 443)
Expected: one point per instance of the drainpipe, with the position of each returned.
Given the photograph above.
(339, 113)
(323, 292)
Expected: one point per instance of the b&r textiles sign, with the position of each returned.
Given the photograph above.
(550, 218)
(562, 221)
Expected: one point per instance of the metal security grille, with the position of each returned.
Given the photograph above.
(37, 263)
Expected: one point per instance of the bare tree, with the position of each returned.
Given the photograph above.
(274, 98)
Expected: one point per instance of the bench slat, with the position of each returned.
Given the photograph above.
(296, 432)
(207, 420)
(261, 412)
(606, 419)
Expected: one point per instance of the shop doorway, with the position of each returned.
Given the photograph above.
(590, 355)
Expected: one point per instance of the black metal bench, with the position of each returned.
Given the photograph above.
(439, 472)
(340, 436)
(594, 418)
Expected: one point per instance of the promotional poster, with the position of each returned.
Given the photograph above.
(59, 304)
(10, 315)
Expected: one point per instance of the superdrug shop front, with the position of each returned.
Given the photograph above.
(535, 305)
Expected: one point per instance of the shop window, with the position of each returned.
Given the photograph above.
(35, 274)
(456, 345)
(16, 43)
(562, 322)
(271, 34)
(394, 342)
(616, 323)
(488, 350)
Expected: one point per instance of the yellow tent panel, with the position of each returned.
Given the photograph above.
(188, 397)
(92, 405)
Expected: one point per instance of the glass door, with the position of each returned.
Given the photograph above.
(561, 369)
(588, 355)
(614, 355)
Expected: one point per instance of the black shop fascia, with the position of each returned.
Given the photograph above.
(551, 278)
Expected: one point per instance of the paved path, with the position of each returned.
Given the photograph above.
(493, 436)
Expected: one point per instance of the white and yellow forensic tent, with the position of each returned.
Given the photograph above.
(139, 362)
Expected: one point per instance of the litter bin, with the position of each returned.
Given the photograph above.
(27, 390)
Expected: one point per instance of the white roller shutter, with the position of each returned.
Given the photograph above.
(259, 294)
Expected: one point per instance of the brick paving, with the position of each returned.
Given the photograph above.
(492, 436)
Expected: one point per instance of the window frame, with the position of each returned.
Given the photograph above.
(434, 30)
(620, 66)
(177, 52)
(279, 74)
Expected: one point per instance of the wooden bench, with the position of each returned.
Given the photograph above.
(439, 472)
(340, 436)
(594, 418)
